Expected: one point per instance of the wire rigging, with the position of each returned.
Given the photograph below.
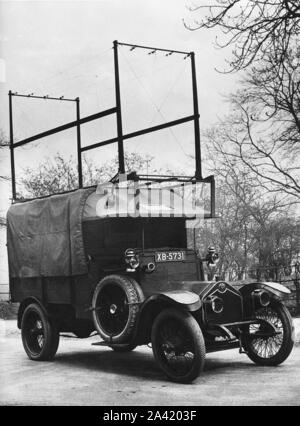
(77, 64)
(152, 100)
(182, 69)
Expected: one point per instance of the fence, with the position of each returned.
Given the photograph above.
(293, 300)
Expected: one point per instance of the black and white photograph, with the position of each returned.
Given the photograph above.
(149, 205)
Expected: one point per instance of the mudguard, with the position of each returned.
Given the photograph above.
(278, 291)
(153, 305)
(183, 298)
(27, 302)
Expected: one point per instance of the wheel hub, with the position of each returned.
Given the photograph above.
(113, 308)
(173, 344)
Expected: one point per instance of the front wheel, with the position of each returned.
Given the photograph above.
(40, 335)
(178, 345)
(277, 344)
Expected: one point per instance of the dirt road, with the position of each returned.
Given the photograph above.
(87, 375)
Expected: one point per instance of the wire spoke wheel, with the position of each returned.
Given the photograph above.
(267, 347)
(178, 345)
(270, 342)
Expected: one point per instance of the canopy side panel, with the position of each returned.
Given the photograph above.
(44, 236)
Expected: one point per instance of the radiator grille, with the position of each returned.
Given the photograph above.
(232, 301)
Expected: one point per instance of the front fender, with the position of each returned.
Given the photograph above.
(153, 305)
(278, 291)
(182, 298)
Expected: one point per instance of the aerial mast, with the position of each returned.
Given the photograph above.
(119, 111)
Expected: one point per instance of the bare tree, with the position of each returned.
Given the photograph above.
(276, 246)
(257, 229)
(238, 139)
(255, 149)
(255, 235)
(254, 28)
(61, 175)
(271, 92)
(263, 130)
(53, 176)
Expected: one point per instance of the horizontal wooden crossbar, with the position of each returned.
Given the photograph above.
(140, 132)
(134, 46)
(65, 127)
(47, 97)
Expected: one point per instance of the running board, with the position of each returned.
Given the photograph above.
(223, 346)
(100, 344)
(110, 345)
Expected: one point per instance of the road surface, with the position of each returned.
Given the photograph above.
(89, 375)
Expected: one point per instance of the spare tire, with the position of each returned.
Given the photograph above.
(116, 303)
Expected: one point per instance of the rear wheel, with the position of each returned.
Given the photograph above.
(275, 348)
(115, 305)
(40, 335)
(178, 345)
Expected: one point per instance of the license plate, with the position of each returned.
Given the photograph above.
(169, 256)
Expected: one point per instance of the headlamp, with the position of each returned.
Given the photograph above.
(131, 259)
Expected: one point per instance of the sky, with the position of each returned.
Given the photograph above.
(64, 48)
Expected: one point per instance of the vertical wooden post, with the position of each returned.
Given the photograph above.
(198, 173)
(119, 112)
(79, 159)
(11, 145)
